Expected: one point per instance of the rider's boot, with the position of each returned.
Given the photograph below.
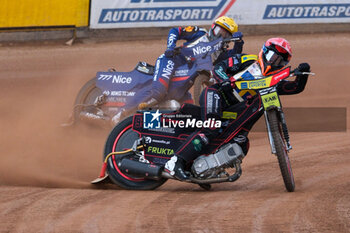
(118, 117)
(124, 113)
(94, 114)
(121, 115)
(176, 168)
(147, 104)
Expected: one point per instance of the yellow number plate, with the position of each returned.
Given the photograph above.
(271, 100)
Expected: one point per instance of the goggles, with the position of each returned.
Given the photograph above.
(274, 58)
(219, 31)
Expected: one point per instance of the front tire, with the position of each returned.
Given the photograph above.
(123, 137)
(281, 150)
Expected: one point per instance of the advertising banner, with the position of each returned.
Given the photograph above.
(155, 13)
(165, 13)
(290, 12)
(39, 13)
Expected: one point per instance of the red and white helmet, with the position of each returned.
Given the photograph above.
(274, 55)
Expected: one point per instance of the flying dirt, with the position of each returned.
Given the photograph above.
(46, 169)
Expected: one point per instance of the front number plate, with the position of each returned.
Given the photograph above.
(271, 99)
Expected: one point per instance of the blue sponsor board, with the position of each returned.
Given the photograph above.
(296, 11)
(147, 1)
(161, 14)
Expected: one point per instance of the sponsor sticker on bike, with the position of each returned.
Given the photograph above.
(271, 100)
(155, 120)
(151, 120)
(257, 84)
(229, 115)
(150, 140)
(254, 84)
(160, 150)
(120, 79)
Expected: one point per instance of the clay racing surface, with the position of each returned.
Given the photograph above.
(45, 169)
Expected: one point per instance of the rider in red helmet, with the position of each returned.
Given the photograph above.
(274, 56)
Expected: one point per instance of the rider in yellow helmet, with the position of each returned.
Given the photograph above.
(166, 64)
(223, 26)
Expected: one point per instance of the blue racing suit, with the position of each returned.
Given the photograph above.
(167, 63)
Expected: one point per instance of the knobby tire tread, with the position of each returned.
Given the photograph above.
(113, 173)
(83, 93)
(280, 150)
(198, 87)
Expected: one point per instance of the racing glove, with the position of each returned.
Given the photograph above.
(237, 35)
(304, 67)
(238, 47)
(169, 53)
(227, 85)
(230, 96)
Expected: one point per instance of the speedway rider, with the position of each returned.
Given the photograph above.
(166, 63)
(273, 57)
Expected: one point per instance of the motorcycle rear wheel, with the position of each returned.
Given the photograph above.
(281, 150)
(123, 137)
(201, 82)
(86, 96)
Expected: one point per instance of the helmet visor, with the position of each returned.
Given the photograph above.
(275, 59)
(219, 31)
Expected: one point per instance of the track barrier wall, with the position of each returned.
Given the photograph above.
(23, 20)
(22, 14)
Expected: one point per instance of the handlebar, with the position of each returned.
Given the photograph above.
(231, 40)
(297, 72)
(177, 50)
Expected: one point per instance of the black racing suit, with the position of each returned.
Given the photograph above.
(219, 97)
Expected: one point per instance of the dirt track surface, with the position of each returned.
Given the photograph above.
(45, 170)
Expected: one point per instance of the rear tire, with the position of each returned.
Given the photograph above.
(87, 95)
(281, 151)
(123, 137)
(201, 82)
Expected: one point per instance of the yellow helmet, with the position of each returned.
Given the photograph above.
(228, 23)
(223, 26)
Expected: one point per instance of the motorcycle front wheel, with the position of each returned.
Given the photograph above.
(281, 150)
(122, 137)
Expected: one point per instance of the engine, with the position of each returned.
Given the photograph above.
(209, 166)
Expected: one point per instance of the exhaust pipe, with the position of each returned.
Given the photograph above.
(135, 168)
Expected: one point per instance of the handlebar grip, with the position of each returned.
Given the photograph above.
(231, 40)
(297, 72)
(177, 50)
(309, 73)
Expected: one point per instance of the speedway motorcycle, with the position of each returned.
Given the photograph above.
(137, 148)
(106, 95)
